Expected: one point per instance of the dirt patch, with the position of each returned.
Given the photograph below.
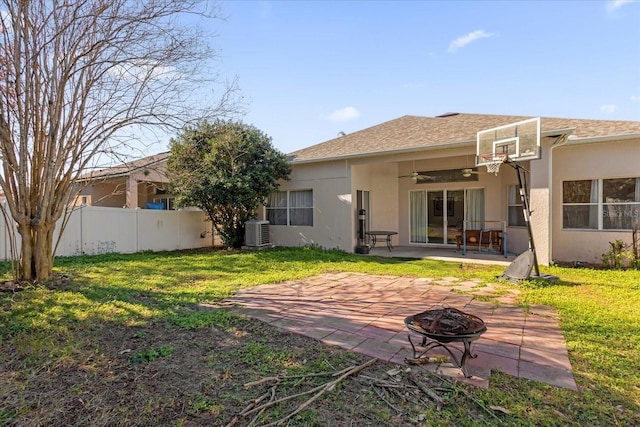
(166, 376)
(57, 281)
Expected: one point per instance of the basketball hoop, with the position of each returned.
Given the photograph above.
(493, 161)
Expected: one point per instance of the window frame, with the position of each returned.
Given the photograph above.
(291, 211)
(168, 201)
(517, 204)
(602, 204)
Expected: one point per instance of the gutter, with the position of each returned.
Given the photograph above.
(573, 140)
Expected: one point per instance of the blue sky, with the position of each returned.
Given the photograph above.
(309, 70)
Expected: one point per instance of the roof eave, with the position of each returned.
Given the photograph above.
(457, 144)
(123, 174)
(605, 138)
(387, 152)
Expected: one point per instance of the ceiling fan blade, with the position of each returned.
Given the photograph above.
(413, 175)
(471, 171)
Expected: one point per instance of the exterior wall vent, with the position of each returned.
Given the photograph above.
(256, 233)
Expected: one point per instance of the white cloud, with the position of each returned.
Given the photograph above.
(615, 5)
(635, 98)
(609, 108)
(344, 114)
(461, 42)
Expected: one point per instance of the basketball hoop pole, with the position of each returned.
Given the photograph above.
(526, 210)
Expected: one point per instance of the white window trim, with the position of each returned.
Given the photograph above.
(600, 207)
(518, 203)
(289, 208)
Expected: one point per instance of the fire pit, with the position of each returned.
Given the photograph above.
(442, 326)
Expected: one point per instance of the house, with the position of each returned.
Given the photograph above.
(417, 177)
(137, 184)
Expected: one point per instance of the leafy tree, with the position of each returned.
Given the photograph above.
(226, 169)
(77, 80)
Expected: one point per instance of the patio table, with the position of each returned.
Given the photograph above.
(376, 235)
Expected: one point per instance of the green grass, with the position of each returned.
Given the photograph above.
(599, 315)
(135, 289)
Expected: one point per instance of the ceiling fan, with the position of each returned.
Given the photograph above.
(414, 175)
(467, 172)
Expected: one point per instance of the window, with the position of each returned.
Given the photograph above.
(290, 208)
(621, 203)
(516, 214)
(601, 204)
(167, 202)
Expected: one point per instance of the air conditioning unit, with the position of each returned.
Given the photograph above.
(256, 233)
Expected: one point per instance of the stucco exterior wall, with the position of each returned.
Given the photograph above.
(332, 208)
(384, 198)
(106, 194)
(575, 161)
(540, 203)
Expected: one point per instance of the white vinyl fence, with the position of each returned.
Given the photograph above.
(96, 230)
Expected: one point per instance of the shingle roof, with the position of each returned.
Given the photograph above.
(415, 132)
(128, 168)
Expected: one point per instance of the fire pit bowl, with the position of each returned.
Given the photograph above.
(441, 326)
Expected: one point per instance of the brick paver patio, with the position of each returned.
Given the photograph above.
(365, 313)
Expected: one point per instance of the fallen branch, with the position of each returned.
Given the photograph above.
(426, 390)
(288, 377)
(255, 406)
(384, 399)
(259, 414)
(327, 387)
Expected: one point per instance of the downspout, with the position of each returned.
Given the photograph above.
(560, 140)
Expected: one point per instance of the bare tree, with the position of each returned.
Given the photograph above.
(76, 77)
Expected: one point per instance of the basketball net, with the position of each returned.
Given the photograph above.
(493, 166)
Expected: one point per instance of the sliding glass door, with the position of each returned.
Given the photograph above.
(436, 216)
(418, 217)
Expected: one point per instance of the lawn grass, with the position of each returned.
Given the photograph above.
(44, 328)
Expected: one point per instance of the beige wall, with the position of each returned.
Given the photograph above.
(113, 193)
(541, 203)
(332, 204)
(107, 194)
(381, 182)
(612, 159)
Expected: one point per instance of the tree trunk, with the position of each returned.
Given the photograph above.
(36, 258)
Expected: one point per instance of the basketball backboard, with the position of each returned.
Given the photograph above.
(513, 142)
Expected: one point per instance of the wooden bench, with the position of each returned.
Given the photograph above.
(481, 239)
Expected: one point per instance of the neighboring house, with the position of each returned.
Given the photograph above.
(137, 184)
(584, 190)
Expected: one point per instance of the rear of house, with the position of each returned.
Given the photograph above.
(417, 176)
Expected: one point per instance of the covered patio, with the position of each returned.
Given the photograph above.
(472, 255)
